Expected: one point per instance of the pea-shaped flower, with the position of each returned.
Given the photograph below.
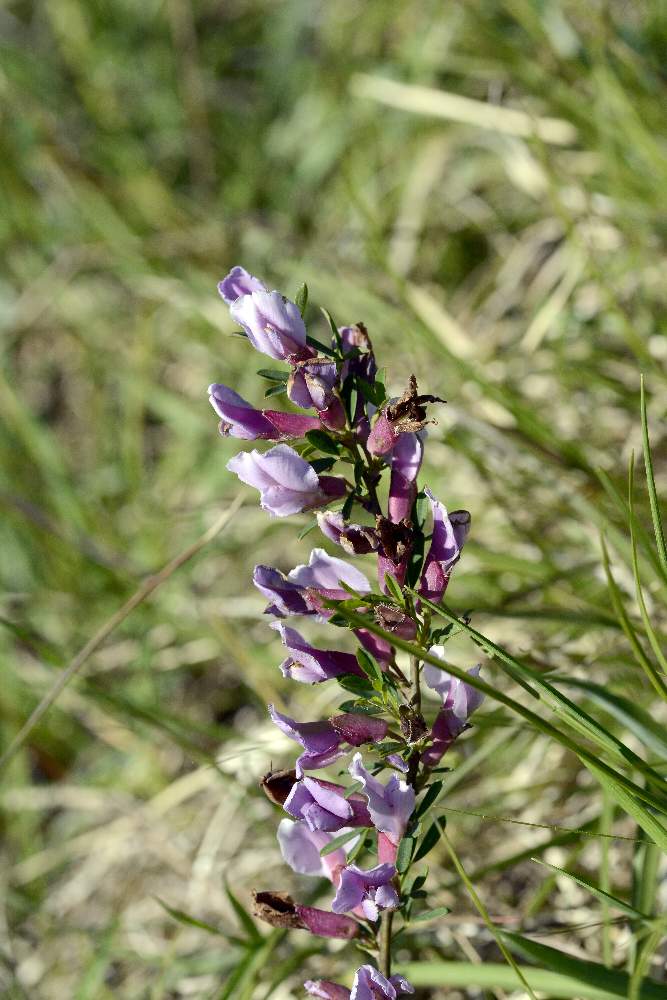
(286, 482)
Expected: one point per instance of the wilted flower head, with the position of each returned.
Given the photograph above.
(406, 415)
(287, 483)
(370, 889)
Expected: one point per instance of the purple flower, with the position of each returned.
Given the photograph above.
(391, 805)
(287, 483)
(383, 436)
(449, 533)
(312, 383)
(239, 419)
(279, 910)
(238, 282)
(310, 665)
(272, 323)
(356, 539)
(302, 590)
(287, 597)
(406, 460)
(326, 990)
(369, 984)
(322, 805)
(460, 700)
(370, 889)
(300, 847)
(377, 647)
(320, 741)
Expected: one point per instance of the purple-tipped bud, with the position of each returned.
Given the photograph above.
(326, 990)
(390, 805)
(369, 984)
(279, 910)
(359, 729)
(323, 805)
(273, 324)
(286, 482)
(237, 283)
(406, 460)
(356, 539)
(370, 889)
(239, 419)
(310, 665)
(449, 534)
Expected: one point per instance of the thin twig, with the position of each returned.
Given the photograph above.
(385, 943)
(144, 591)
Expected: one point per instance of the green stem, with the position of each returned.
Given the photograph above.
(385, 942)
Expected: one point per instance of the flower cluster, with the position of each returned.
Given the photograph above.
(361, 836)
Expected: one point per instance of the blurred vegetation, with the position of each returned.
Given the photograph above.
(514, 260)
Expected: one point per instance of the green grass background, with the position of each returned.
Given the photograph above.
(515, 263)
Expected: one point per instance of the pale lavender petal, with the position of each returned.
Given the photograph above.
(312, 383)
(315, 737)
(287, 483)
(350, 892)
(325, 572)
(386, 897)
(401, 985)
(300, 848)
(390, 805)
(273, 324)
(238, 418)
(328, 798)
(238, 282)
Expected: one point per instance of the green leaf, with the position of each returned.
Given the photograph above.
(650, 482)
(355, 685)
(273, 374)
(438, 911)
(590, 975)
(320, 348)
(306, 531)
(431, 838)
(323, 441)
(301, 298)
(404, 854)
(617, 783)
(184, 918)
(370, 668)
(332, 326)
(554, 985)
(274, 390)
(604, 897)
(342, 839)
(244, 917)
(431, 796)
(393, 588)
(322, 464)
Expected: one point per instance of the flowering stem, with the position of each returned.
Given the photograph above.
(385, 942)
(415, 672)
